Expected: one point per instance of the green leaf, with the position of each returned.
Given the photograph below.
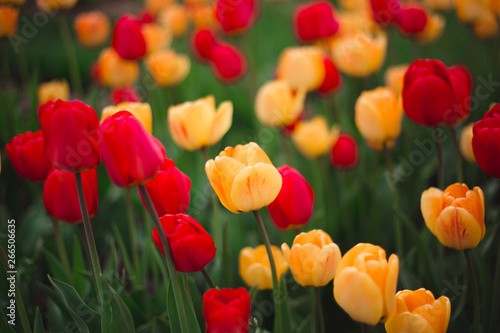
(282, 311)
(157, 325)
(55, 265)
(116, 316)
(4, 325)
(79, 281)
(38, 325)
(173, 314)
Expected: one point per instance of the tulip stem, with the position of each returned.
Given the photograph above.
(174, 279)
(211, 283)
(365, 328)
(439, 152)
(395, 203)
(132, 231)
(61, 248)
(477, 304)
(320, 310)
(69, 48)
(5, 60)
(460, 172)
(89, 236)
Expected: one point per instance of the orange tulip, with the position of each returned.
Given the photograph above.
(486, 26)
(434, 28)
(313, 138)
(52, 91)
(92, 28)
(175, 18)
(168, 68)
(313, 259)
(254, 267)
(114, 71)
(155, 6)
(141, 111)
(156, 36)
(302, 67)
(439, 4)
(455, 216)
(418, 312)
(365, 283)
(203, 16)
(394, 76)
(52, 5)
(466, 144)
(9, 16)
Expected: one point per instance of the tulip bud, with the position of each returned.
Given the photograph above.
(466, 144)
(228, 63)
(302, 67)
(394, 77)
(9, 15)
(141, 111)
(60, 195)
(52, 91)
(236, 17)
(92, 28)
(156, 37)
(313, 138)
(455, 216)
(332, 81)
(385, 12)
(127, 94)
(202, 42)
(254, 267)
(227, 310)
(412, 19)
(168, 68)
(345, 153)
(192, 247)
(111, 70)
(486, 142)
(128, 40)
(314, 20)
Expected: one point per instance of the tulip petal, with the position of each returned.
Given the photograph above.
(325, 265)
(221, 174)
(409, 322)
(431, 206)
(391, 284)
(221, 123)
(458, 229)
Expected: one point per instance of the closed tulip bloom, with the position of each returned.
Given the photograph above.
(302, 67)
(53, 5)
(394, 77)
(175, 18)
(313, 258)
(9, 16)
(128, 40)
(71, 135)
(419, 312)
(52, 91)
(486, 142)
(314, 20)
(228, 63)
(254, 267)
(313, 137)
(168, 68)
(435, 95)
(332, 81)
(412, 19)
(466, 144)
(244, 178)
(156, 37)
(385, 12)
(277, 104)
(141, 111)
(345, 153)
(26, 154)
(378, 116)
(132, 156)
(113, 71)
(202, 42)
(196, 125)
(127, 94)
(455, 216)
(365, 283)
(60, 195)
(236, 17)
(293, 207)
(227, 310)
(92, 28)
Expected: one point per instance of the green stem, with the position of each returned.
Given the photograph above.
(207, 277)
(458, 157)
(132, 231)
(395, 203)
(61, 248)
(320, 311)
(89, 237)
(475, 289)
(71, 56)
(216, 227)
(439, 152)
(174, 279)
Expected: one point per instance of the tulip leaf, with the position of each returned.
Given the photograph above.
(157, 325)
(79, 281)
(38, 324)
(116, 316)
(4, 325)
(55, 265)
(173, 314)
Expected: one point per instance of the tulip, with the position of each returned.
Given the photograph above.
(486, 26)
(313, 259)
(155, 6)
(227, 310)
(469, 11)
(418, 312)
(127, 94)
(440, 5)
(192, 247)
(277, 104)
(168, 68)
(433, 29)
(365, 283)
(61, 199)
(92, 28)
(141, 111)
(203, 16)
(52, 91)
(293, 207)
(156, 37)
(412, 19)
(132, 156)
(435, 95)
(54, 5)
(332, 81)
(13, 2)
(169, 191)
(394, 77)
(353, 6)
(111, 70)
(302, 67)
(70, 131)
(486, 142)
(354, 21)
(202, 42)
(313, 138)
(244, 178)
(314, 20)
(466, 144)
(236, 17)
(196, 125)
(378, 116)
(345, 153)
(128, 40)
(228, 63)
(174, 18)
(385, 12)
(254, 267)
(27, 156)
(455, 216)
(9, 16)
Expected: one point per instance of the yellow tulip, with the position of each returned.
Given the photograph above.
(471, 10)
(486, 26)
(53, 90)
(114, 71)
(155, 6)
(418, 312)
(365, 283)
(378, 116)
(244, 178)
(52, 5)
(455, 216)
(439, 4)
(353, 21)
(9, 16)
(434, 28)
(394, 77)
(195, 125)
(302, 67)
(167, 67)
(313, 138)
(156, 37)
(277, 105)
(175, 18)
(254, 267)
(141, 111)
(354, 5)
(203, 16)
(92, 28)
(466, 144)
(313, 259)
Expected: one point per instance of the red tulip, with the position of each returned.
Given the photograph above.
(202, 43)
(132, 156)
(128, 40)
(412, 20)
(314, 20)
(169, 191)
(70, 133)
(227, 62)
(60, 196)
(227, 310)
(236, 16)
(128, 94)
(332, 81)
(192, 247)
(293, 207)
(486, 142)
(345, 153)
(26, 154)
(435, 95)
(385, 11)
